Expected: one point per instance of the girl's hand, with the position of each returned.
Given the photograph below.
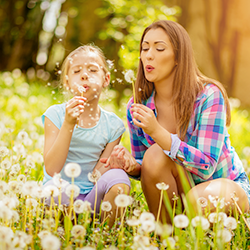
(74, 108)
(120, 158)
(144, 118)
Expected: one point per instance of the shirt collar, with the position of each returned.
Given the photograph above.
(150, 102)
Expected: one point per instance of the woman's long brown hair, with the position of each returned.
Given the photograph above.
(188, 80)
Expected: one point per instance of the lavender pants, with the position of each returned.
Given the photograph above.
(106, 181)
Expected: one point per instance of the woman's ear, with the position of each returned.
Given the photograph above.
(106, 80)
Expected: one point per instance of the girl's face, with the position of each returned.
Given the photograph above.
(86, 76)
(157, 56)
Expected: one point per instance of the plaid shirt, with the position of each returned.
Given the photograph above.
(206, 151)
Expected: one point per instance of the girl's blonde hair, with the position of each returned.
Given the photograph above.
(188, 81)
(81, 49)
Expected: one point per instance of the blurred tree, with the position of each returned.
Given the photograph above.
(21, 22)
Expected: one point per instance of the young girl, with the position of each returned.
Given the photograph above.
(178, 123)
(80, 131)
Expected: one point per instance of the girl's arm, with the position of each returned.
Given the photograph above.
(100, 166)
(56, 143)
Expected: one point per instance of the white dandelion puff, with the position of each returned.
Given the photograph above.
(133, 221)
(129, 76)
(72, 189)
(122, 200)
(215, 217)
(181, 221)
(4, 186)
(72, 170)
(78, 206)
(23, 135)
(59, 182)
(225, 235)
(230, 223)
(52, 190)
(145, 216)
(4, 151)
(5, 164)
(78, 231)
(200, 221)
(162, 186)
(202, 202)
(148, 226)
(94, 176)
(106, 206)
(43, 234)
(50, 242)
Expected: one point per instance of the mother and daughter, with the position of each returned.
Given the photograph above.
(177, 125)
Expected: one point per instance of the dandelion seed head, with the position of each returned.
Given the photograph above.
(52, 190)
(94, 176)
(162, 186)
(181, 221)
(50, 242)
(133, 221)
(72, 170)
(137, 212)
(78, 231)
(202, 202)
(122, 200)
(4, 151)
(148, 226)
(146, 216)
(230, 223)
(200, 221)
(225, 235)
(5, 164)
(129, 76)
(72, 189)
(106, 206)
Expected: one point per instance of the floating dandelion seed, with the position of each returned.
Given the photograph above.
(181, 221)
(81, 89)
(78, 231)
(110, 64)
(106, 206)
(94, 176)
(72, 170)
(162, 186)
(122, 200)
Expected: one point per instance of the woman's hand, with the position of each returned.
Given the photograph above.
(144, 118)
(74, 108)
(120, 158)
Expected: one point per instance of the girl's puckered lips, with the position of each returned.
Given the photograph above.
(149, 68)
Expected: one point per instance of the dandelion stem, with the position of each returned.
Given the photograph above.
(95, 204)
(133, 86)
(243, 217)
(159, 212)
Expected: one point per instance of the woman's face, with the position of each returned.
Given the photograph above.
(157, 56)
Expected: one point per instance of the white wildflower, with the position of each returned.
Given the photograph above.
(31, 203)
(50, 242)
(59, 182)
(52, 190)
(4, 151)
(217, 201)
(10, 202)
(16, 168)
(145, 216)
(162, 186)
(225, 235)
(37, 157)
(21, 178)
(78, 231)
(29, 187)
(43, 234)
(94, 176)
(181, 221)
(19, 149)
(202, 202)
(141, 241)
(78, 206)
(72, 189)
(215, 217)
(4, 186)
(148, 226)
(23, 135)
(200, 221)
(137, 212)
(106, 206)
(122, 200)
(170, 241)
(15, 216)
(5, 164)
(6, 234)
(133, 221)
(129, 76)
(5, 212)
(230, 223)
(72, 170)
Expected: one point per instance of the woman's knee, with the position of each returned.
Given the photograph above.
(155, 161)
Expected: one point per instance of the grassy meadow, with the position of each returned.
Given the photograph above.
(27, 223)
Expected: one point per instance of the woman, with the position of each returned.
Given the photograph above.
(178, 123)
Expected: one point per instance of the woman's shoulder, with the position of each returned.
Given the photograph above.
(210, 91)
(56, 108)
